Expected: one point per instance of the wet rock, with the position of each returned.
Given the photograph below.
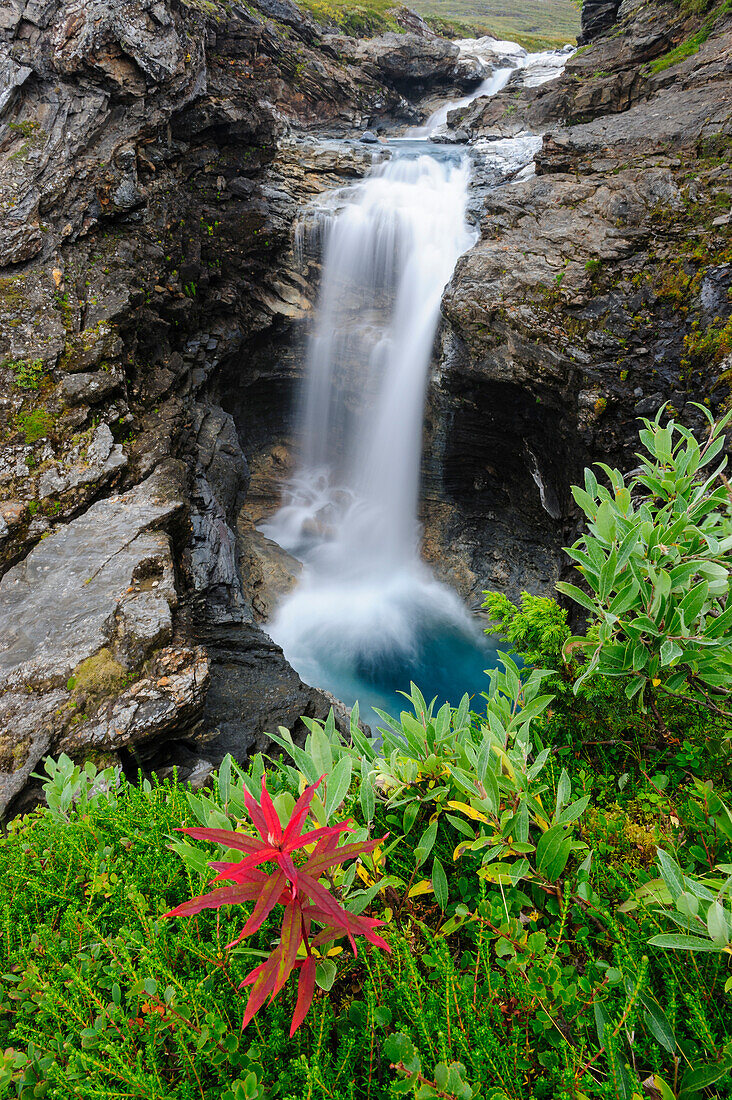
(408, 62)
(268, 572)
(252, 690)
(368, 137)
(220, 479)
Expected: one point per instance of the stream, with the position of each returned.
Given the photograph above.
(368, 615)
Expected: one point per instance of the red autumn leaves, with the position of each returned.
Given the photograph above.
(292, 885)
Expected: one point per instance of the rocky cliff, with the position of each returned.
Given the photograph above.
(150, 171)
(153, 157)
(600, 289)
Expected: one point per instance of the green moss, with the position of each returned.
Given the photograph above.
(99, 676)
(707, 347)
(35, 425)
(10, 292)
(27, 129)
(62, 303)
(691, 45)
(367, 18)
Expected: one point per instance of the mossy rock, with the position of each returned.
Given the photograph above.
(98, 677)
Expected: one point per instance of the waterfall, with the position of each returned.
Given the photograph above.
(491, 86)
(389, 246)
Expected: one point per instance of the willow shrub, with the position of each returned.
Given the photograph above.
(656, 562)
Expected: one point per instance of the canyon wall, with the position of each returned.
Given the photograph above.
(153, 157)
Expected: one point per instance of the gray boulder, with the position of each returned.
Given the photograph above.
(77, 616)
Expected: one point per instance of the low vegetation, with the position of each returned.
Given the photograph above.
(528, 896)
(535, 24)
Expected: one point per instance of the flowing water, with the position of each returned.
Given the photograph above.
(368, 615)
(491, 86)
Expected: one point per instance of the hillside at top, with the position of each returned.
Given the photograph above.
(534, 23)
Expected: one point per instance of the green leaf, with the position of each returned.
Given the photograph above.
(717, 925)
(320, 751)
(605, 521)
(367, 798)
(439, 883)
(574, 810)
(338, 783)
(577, 595)
(657, 1023)
(694, 1081)
(564, 790)
(553, 851)
(410, 816)
(671, 873)
(325, 974)
(684, 943)
(224, 778)
(426, 843)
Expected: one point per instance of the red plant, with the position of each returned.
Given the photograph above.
(294, 886)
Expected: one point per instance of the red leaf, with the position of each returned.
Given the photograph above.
(255, 812)
(239, 871)
(270, 894)
(316, 834)
(261, 988)
(290, 940)
(305, 990)
(324, 900)
(300, 812)
(285, 862)
(321, 861)
(234, 872)
(227, 895)
(226, 839)
(274, 825)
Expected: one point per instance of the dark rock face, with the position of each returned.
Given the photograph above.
(405, 61)
(597, 17)
(148, 188)
(587, 302)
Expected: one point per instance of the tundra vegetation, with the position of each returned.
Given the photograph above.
(526, 896)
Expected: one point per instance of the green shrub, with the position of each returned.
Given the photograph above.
(28, 372)
(656, 560)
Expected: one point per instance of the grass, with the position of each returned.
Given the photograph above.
(371, 17)
(693, 43)
(535, 24)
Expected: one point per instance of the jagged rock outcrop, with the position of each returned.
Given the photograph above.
(600, 290)
(150, 171)
(85, 657)
(597, 16)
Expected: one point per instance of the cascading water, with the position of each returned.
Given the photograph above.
(368, 614)
(492, 86)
